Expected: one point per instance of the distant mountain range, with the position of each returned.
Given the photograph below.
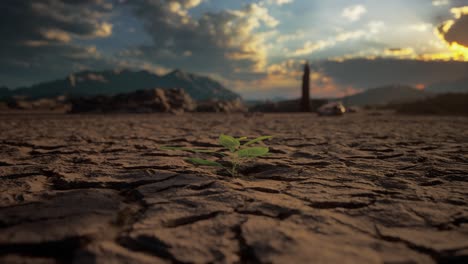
(385, 95)
(88, 83)
(403, 94)
(458, 86)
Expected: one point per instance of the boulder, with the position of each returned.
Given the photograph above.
(44, 104)
(142, 101)
(332, 109)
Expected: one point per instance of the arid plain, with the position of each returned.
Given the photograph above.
(362, 188)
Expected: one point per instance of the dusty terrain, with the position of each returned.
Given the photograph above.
(357, 189)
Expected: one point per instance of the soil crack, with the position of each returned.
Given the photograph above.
(63, 251)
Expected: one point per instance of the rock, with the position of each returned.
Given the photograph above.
(142, 101)
(332, 109)
(45, 104)
(216, 106)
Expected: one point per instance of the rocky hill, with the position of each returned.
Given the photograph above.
(90, 83)
(458, 86)
(385, 95)
(442, 104)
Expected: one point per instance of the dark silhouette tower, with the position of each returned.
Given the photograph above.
(305, 100)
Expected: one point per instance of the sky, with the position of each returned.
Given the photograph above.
(254, 47)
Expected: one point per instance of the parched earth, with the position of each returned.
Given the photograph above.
(362, 188)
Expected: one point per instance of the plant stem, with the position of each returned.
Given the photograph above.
(235, 164)
(234, 169)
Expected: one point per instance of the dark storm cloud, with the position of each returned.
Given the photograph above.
(458, 32)
(364, 73)
(37, 36)
(224, 42)
(455, 28)
(458, 3)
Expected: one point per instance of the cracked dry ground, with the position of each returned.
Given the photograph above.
(356, 189)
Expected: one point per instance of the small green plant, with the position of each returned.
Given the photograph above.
(236, 151)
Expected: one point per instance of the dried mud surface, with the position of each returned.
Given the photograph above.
(357, 189)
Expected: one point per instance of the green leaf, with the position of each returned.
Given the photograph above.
(253, 152)
(229, 142)
(203, 162)
(253, 141)
(187, 149)
(242, 138)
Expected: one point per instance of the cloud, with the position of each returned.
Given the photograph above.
(454, 32)
(366, 73)
(421, 27)
(299, 34)
(292, 68)
(56, 35)
(38, 36)
(279, 2)
(400, 53)
(231, 43)
(376, 26)
(340, 78)
(103, 30)
(310, 47)
(284, 80)
(281, 80)
(354, 13)
(440, 2)
(244, 46)
(451, 44)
